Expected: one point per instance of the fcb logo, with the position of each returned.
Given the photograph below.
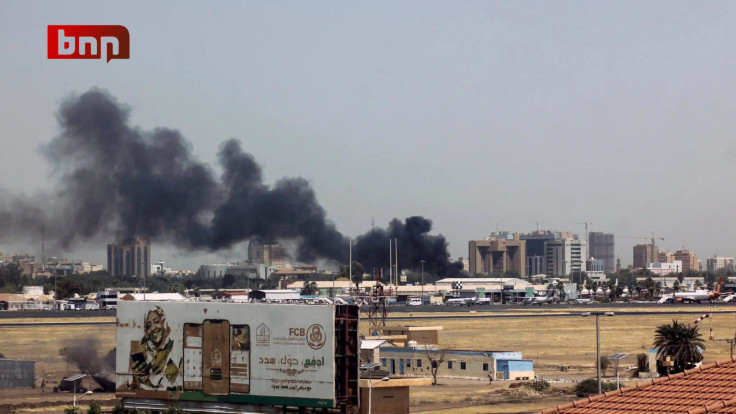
(316, 336)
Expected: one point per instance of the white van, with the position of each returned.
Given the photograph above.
(414, 302)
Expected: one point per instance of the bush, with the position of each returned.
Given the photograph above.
(118, 408)
(605, 363)
(94, 408)
(539, 385)
(590, 387)
(72, 410)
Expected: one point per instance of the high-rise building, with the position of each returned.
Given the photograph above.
(273, 255)
(602, 248)
(131, 257)
(718, 262)
(663, 256)
(565, 256)
(643, 255)
(536, 261)
(689, 260)
(497, 255)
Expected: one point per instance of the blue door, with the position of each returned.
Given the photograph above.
(401, 366)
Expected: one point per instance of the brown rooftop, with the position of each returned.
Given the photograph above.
(706, 389)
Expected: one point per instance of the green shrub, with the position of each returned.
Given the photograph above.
(539, 385)
(94, 408)
(590, 387)
(118, 408)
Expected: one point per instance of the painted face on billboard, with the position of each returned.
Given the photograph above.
(155, 323)
(150, 358)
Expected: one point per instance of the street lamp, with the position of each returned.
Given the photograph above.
(597, 342)
(75, 394)
(369, 367)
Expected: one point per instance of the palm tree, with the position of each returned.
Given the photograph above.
(310, 288)
(682, 343)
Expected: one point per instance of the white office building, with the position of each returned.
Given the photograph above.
(565, 256)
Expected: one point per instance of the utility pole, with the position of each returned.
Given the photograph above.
(422, 262)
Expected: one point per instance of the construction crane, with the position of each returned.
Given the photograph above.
(651, 239)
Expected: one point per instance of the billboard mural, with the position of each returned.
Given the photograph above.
(229, 353)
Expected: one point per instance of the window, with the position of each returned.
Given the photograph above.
(408, 363)
(449, 364)
(383, 362)
(485, 366)
(419, 363)
(462, 365)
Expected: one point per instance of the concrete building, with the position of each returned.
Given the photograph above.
(402, 335)
(663, 256)
(716, 263)
(388, 397)
(250, 270)
(131, 257)
(155, 296)
(564, 257)
(497, 255)
(273, 255)
(595, 265)
(665, 268)
(643, 254)
(499, 289)
(602, 248)
(274, 295)
(458, 363)
(689, 260)
(536, 262)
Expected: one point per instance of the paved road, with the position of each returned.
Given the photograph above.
(462, 311)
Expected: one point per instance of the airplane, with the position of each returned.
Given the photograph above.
(538, 300)
(582, 301)
(695, 296)
(461, 301)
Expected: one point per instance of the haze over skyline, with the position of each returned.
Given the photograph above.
(478, 115)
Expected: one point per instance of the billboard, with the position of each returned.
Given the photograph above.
(260, 354)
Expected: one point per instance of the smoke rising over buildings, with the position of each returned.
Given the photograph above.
(116, 180)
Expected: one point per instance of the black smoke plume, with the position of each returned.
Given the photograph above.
(84, 354)
(116, 181)
(414, 245)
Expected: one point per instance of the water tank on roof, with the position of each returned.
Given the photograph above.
(411, 344)
(585, 292)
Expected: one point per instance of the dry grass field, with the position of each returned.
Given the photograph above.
(557, 339)
(42, 344)
(553, 340)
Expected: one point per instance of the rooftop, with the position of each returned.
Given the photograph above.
(706, 389)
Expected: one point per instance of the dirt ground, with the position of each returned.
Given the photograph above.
(562, 348)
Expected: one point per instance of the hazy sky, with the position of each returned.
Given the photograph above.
(478, 115)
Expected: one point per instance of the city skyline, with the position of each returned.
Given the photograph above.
(478, 116)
